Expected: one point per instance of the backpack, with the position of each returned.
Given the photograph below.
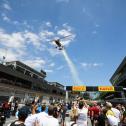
(13, 124)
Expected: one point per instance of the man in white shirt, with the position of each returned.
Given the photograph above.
(42, 116)
(49, 120)
(30, 121)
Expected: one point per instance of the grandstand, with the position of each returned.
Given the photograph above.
(19, 80)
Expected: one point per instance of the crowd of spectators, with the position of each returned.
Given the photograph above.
(54, 114)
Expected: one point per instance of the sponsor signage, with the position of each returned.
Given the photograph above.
(106, 88)
(95, 88)
(78, 88)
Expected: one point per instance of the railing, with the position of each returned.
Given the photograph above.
(121, 78)
(46, 89)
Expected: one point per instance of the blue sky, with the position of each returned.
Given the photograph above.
(96, 46)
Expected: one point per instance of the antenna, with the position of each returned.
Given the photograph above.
(4, 56)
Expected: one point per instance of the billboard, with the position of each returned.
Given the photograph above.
(106, 88)
(78, 88)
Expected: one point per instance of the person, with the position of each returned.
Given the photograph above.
(22, 115)
(15, 108)
(2, 117)
(33, 107)
(42, 116)
(112, 120)
(95, 113)
(82, 114)
(123, 123)
(63, 113)
(101, 118)
(55, 114)
(73, 113)
(50, 120)
(6, 108)
(31, 119)
(117, 113)
(39, 108)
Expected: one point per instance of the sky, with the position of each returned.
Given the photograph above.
(96, 46)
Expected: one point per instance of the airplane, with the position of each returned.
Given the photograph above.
(58, 43)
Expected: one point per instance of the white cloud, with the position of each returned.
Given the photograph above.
(63, 32)
(90, 65)
(54, 51)
(60, 68)
(40, 41)
(5, 17)
(37, 63)
(97, 64)
(67, 31)
(14, 40)
(85, 64)
(32, 38)
(67, 27)
(10, 55)
(19, 39)
(7, 6)
(26, 25)
(51, 65)
(21, 52)
(46, 35)
(48, 24)
(48, 71)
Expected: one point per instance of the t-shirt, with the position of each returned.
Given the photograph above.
(41, 117)
(50, 121)
(113, 121)
(95, 110)
(117, 113)
(30, 120)
(82, 117)
(110, 112)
